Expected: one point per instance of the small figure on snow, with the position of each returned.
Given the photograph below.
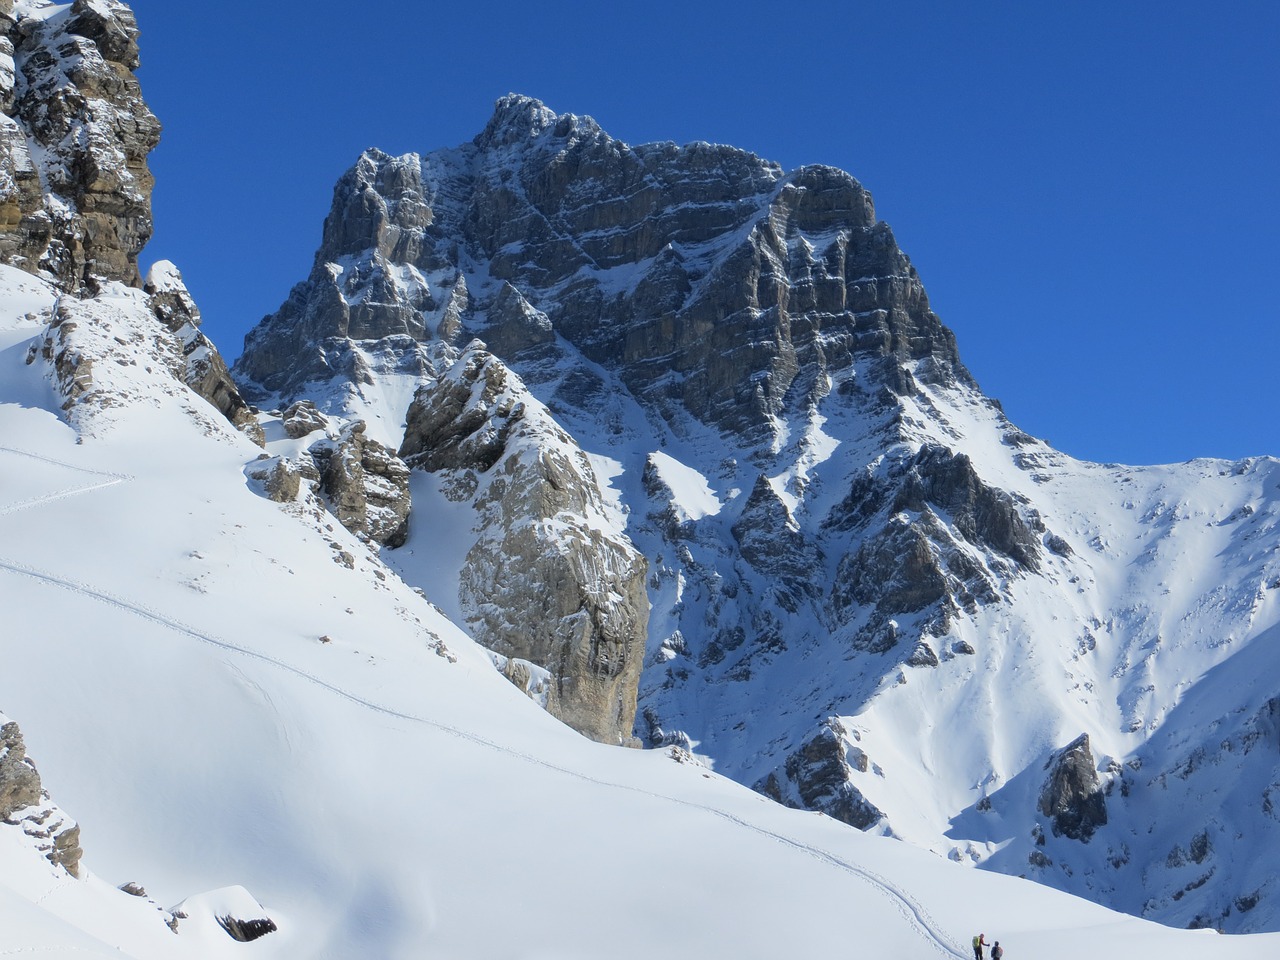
(997, 951)
(978, 943)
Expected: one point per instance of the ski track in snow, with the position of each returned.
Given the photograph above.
(906, 905)
(111, 479)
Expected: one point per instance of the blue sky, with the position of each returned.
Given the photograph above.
(1089, 190)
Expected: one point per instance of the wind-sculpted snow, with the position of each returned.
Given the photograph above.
(869, 591)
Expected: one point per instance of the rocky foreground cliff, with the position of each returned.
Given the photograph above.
(870, 594)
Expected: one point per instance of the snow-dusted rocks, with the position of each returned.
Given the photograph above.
(817, 777)
(75, 191)
(206, 372)
(550, 577)
(111, 351)
(19, 782)
(334, 465)
(26, 806)
(369, 282)
(302, 418)
(365, 484)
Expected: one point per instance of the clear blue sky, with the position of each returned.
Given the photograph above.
(1091, 191)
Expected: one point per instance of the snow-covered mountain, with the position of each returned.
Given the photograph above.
(237, 718)
(261, 731)
(872, 595)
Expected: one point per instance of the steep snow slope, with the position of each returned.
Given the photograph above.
(221, 704)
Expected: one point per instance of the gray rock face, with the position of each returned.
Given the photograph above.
(1072, 796)
(206, 372)
(302, 418)
(24, 804)
(365, 484)
(75, 191)
(817, 777)
(721, 284)
(545, 580)
(19, 782)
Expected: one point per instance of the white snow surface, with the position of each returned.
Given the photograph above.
(691, 496)
(236, 719)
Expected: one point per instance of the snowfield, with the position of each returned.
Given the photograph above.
(240, 721)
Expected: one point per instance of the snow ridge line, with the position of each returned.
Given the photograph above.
(906, 905)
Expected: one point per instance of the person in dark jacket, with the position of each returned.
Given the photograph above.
(997, 951)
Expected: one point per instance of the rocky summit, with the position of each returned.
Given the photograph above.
(868, 592)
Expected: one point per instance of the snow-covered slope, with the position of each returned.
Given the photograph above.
(225, 708)
(871, 594)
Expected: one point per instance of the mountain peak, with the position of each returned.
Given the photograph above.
(515, 118)
(519, 119)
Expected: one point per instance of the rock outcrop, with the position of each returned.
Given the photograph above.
(356, 479)
(817, 777)
(75, 191)
(24, 804)
(365, 485)
(110, 351)
(1072, 797)
(206, 373)
(549, 578)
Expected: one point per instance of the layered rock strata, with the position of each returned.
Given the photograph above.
(75, 190)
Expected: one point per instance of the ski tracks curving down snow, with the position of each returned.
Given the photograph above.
(907, 906)
(107, 480)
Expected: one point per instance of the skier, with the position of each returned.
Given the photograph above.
(997, 951)
(978, 944)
